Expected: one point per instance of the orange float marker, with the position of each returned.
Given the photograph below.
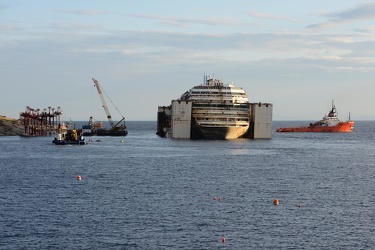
(223, 240)
(78, 177)
(214, 198)
(299, 205)
(276, 202)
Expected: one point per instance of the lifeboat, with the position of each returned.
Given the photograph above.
(329, 123)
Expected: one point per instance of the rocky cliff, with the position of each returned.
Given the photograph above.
(11, 126)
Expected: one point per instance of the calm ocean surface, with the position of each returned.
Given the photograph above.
(153, 193)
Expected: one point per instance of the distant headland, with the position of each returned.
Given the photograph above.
(11, 126)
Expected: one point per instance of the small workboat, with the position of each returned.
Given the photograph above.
(66, 136)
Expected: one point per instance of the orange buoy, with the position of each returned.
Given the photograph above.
(219, 199)
(78, 177)
(214, 198)
(223, 240)
(275, 202)
(299, 205)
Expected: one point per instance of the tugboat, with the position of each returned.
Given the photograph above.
(329, 123)
(68, 136)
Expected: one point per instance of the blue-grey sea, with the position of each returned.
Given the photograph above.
(147, 192)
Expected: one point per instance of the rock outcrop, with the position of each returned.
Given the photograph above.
(11, 126)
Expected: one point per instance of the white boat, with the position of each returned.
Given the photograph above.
(66, 136)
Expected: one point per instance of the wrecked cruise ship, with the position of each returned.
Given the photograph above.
(214, 110)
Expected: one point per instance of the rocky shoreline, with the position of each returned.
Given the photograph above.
(11, 127)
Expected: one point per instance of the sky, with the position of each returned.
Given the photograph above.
(298, 55)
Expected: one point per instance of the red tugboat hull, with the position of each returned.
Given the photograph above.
(329, 123)
(345, 127)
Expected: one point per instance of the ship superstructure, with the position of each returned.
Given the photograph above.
(213, 110)
(219, 111)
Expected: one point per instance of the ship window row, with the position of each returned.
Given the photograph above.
(213, 87)
(217, 87)
(224, 119)
(222, 105)
(215, 96)
(216, 92)
(203, 116)
(219, 98)
(239, 113)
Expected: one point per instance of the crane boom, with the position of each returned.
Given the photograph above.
(104, 104)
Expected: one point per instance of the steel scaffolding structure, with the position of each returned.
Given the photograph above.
(40, 123)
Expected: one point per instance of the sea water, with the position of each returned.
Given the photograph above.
(146, 192)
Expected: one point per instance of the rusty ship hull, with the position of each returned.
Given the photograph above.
(228, 132)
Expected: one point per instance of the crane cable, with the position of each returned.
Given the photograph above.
(111, 101)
